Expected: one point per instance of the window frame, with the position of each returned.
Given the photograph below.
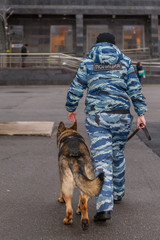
(143, 36)
(57, 25)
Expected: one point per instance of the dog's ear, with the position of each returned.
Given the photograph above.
(61, 127)
(74, 127)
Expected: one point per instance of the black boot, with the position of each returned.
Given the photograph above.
(102, 216)
(118, 200)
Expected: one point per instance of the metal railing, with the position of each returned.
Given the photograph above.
(38, 60)
(62, 61)
(138, 53)
(49, 60)
(152, 67)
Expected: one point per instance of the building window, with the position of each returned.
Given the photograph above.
(92, 33)
(133, 37)
(16, 33)
(62, 39)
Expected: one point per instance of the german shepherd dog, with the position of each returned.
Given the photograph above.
(75, 169)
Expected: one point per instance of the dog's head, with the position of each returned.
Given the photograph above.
(67, 131)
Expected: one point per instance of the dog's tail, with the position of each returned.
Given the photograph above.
(88, 186)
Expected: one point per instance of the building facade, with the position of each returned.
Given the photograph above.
(71, 26)
(2, 34)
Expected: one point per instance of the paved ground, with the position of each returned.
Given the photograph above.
(29, 174)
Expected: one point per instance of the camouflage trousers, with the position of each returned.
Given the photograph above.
(108, 135)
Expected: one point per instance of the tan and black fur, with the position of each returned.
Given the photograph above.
(75, 169)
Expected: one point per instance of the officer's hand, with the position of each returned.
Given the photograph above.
(72, 116)
(141, 122)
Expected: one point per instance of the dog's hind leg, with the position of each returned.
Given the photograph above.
(84, 212)
(61, 199)
(69, 211)
(78, 212)
(67, 192)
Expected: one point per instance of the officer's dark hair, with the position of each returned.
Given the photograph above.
(106, 37)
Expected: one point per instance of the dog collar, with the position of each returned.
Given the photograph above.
(66, 138)
(66, 132)
(72, 137)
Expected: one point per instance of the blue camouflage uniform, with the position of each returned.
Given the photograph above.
(111, 81)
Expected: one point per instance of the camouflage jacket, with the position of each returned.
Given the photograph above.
(110, 80)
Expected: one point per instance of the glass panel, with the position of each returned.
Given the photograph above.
(133, 36)
(16, 33)
(92, 33)
(61, 39)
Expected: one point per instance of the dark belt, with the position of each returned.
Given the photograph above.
(112, 112)
(118, 112)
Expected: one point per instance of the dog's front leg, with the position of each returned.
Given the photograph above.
(84, 211)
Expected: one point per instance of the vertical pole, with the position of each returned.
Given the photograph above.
(79, 35)
(154, 36)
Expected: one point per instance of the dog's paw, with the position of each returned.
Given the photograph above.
(67, 221)
(85, 224)
(61, 200)
(78, 212)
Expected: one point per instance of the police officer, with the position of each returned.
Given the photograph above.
(111, 81)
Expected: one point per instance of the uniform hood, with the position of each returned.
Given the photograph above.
(105, 53)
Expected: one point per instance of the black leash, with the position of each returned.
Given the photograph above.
(145, 130)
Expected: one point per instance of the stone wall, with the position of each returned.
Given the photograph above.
(77, 13)
(22, 77)
(84, 7)
(10, 77)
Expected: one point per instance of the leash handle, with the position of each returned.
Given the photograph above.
(141, 126)
(133, 134)
(145, 130)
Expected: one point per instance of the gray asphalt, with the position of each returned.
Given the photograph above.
(29, 182)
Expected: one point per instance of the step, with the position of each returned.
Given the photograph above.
(28, 128)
